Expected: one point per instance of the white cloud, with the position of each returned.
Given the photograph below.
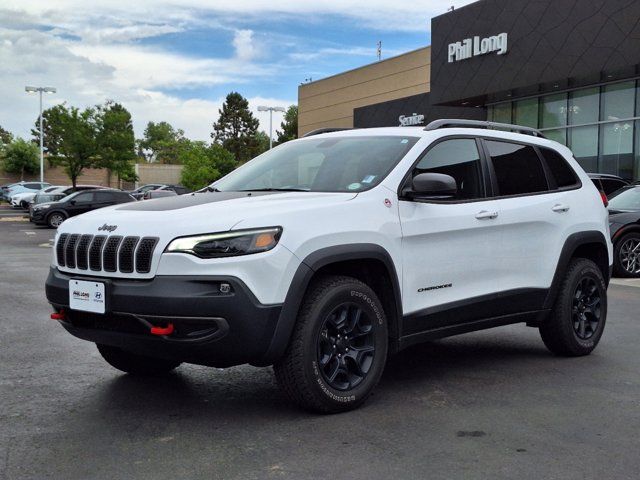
(243, 43)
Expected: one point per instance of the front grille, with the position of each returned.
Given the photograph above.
(81, 252)
(125, 257)
(110, 254)
(144, 254)
(105, 253)
(70, 250)
(95, 253)
(60, 249)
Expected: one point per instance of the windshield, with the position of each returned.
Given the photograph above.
(335, 164)
(627, 198)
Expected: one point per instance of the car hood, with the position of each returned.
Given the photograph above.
(623, 217)
(192, 214)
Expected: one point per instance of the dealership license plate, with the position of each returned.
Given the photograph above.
(86, 296)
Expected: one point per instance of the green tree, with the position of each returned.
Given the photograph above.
(5, 137)
(289, 125)
(20, 157)
(51, 121)
(236, 128)
(73, 139)
(262, 143)
(116, 141)
(161, 143)
(204, 164)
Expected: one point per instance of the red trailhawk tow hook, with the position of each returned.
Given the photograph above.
(58, 315)
(168, 330)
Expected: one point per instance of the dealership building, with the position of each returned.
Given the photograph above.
(568, 67)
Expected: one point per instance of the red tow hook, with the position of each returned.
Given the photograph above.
(58, 315)
(168, 330)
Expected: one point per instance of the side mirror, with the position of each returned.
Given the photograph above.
(432, 185)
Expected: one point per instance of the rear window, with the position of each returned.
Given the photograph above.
(560, 169)
(517, 167)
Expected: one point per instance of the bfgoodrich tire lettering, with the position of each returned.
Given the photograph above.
(577, 321)
(305, 372)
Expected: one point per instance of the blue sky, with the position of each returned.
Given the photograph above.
(175, 60)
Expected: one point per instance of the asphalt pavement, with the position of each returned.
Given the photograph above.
(488, 405)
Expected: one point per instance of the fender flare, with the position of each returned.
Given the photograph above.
(302, 278)
(572, 243)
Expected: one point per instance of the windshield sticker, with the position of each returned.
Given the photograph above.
(354, 186)
(368, 179)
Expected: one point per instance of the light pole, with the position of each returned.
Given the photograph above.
(270, 110)
(41, 90)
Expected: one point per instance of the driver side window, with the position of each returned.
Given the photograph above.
(460, 159)
(84, 198)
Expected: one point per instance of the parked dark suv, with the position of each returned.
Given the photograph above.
(607, 183)
(54, 213)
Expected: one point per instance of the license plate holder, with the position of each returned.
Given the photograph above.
(87, 296)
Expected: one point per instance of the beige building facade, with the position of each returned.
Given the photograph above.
(330, 102)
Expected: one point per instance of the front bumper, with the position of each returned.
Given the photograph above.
(211, 328)
(38, 216)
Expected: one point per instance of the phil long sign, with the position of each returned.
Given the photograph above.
(476, 46)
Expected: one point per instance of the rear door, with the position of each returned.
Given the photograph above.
(535, 216)
(450, 245)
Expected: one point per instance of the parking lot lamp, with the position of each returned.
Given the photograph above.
(270, 110)
(41, 90)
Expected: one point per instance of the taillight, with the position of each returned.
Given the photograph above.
(605, 200)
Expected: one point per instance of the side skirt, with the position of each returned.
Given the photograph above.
(532, 319)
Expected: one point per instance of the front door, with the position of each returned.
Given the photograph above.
(449, 245)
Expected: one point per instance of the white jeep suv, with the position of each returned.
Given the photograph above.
(326, 253)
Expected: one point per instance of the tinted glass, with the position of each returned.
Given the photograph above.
(562, 173)
(526, 112)
(583, 142)
(553, 110)
(584, 106)
(32, 186)
(610, 185)
(458, 158)
(502, 113)
(517, 167)
(105, 196)
(329, 164)
(617, 101)
(84, 197)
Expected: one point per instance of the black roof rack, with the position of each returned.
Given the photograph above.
(452, 123)
(324, 130)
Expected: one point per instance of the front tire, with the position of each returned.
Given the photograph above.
(576, 323)
(338, 348)
(55, 219)
(135, 364)
(626, 254)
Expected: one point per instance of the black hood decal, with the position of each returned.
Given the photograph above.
(189, 200)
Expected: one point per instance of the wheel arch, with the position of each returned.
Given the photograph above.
(367, 262)
(591, 245)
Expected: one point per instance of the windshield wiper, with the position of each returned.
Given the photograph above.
(275, 190)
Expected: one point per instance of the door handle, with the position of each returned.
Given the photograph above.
(560, 208)
(484, 215)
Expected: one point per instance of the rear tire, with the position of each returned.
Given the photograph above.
(338, 348)
(576, 323)
(55, 219)
(24, 205)
(626, 261)
(135, 364)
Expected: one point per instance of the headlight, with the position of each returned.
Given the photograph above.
(227, 244)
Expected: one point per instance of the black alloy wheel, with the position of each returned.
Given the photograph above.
(346, 346)
(586, 308)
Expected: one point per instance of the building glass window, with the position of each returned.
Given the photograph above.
(583, 142)
(616, 149)
(553, 110)
(617, 101)
(526, 112)
(557, 135)
(584, 106)
(502, 113)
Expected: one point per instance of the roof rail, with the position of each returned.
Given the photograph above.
(324, 130)
(452, 123)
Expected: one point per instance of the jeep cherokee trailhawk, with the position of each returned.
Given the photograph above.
(327, 253)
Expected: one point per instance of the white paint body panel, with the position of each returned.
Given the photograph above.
(429, 244)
